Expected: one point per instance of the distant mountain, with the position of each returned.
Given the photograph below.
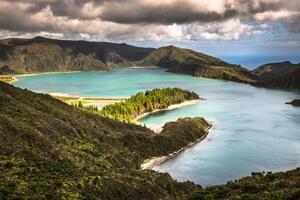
(286, 81)
(186, 61)
(40, 54)
(278, 75)
(275, 70)
(43, 55)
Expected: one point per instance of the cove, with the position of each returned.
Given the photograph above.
(253, 130)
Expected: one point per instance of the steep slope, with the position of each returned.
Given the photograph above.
(288, 81)
(267, 186)
(50, 150)
(275, 70)
(186, 61)
(42, 55)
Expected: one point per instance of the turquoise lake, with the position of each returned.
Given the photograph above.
(253, 128)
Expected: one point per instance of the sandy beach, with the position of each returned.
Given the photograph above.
(153, 162)
(15, 77)
(86, 101)
(171, 107)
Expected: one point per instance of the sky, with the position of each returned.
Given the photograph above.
(225, 28)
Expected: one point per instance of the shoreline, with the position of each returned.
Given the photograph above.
(86, 101)
(171, 107)
(15, 77)
(150, 164)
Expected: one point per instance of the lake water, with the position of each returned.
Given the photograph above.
(253, 128)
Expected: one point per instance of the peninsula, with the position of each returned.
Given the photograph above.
(51, 150)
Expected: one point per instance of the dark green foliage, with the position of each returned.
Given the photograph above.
(295, 102)
(149, 101)
(50, 150)
(266, 186)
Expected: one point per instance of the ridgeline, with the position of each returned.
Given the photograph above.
(37, 55)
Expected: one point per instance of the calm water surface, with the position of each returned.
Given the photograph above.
(254, 130)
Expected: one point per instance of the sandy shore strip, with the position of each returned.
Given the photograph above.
(74, 99)
(15, 77)
(154, 162)
(171, 107)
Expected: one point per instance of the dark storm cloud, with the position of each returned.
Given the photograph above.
(95, 16)
(181, 12)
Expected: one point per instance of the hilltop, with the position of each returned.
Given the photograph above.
(37, 55)
(287, 80)
(275, 70)
(186, 61)
(48, 55)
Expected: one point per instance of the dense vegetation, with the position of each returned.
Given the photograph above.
(295, 102)
(149, 101)
(265, 186)
(50, 150)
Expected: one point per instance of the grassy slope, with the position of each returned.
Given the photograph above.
(186, 61)
(269, 186)
(274, 70)
(288, 81)
(46, 55)
(49, 149)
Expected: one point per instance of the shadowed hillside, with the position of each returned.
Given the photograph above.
(43, 55)
(40, 54)
(288, 81)
(186, 61)
(51, 150)
(275, 70)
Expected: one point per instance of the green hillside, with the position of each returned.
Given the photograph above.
(50, 150)
(286, 81)
(46, 55)
(275, 70)
(186, 61)
(265, 186)
(37, 55)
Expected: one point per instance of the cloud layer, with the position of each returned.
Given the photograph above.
(147, 19)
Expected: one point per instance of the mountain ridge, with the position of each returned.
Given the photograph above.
(39, 54)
